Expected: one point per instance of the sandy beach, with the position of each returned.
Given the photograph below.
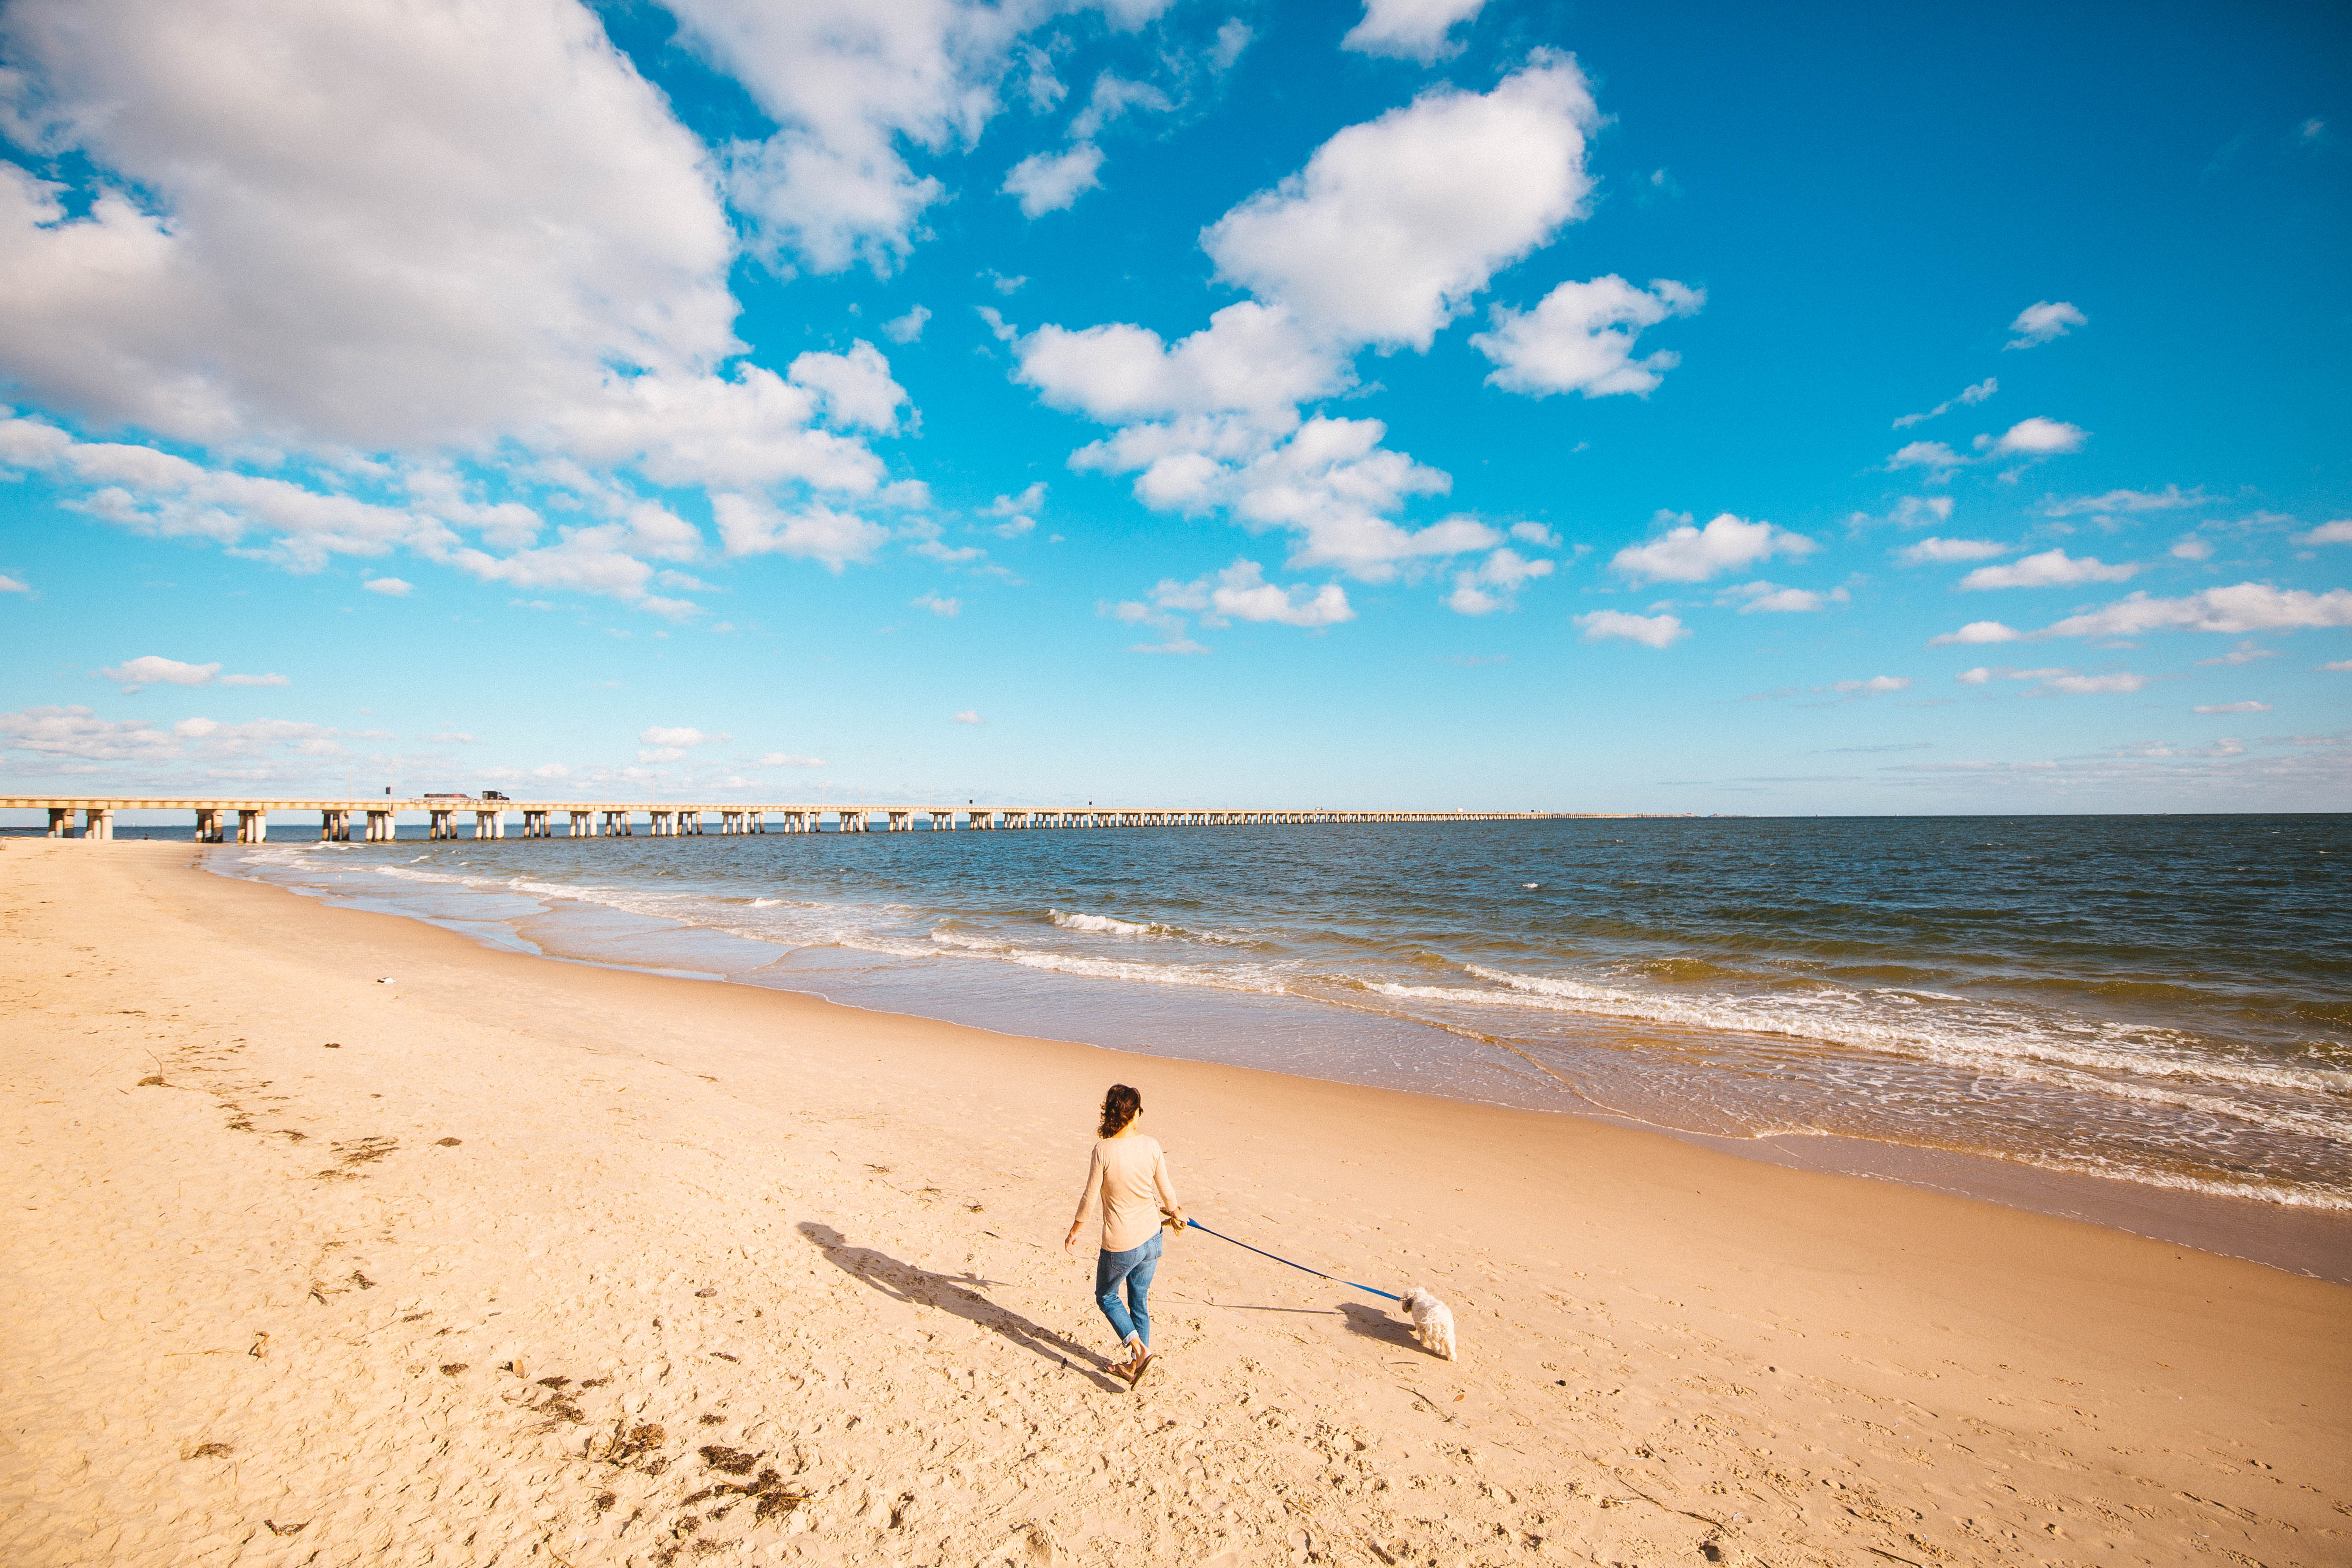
(507, 1260)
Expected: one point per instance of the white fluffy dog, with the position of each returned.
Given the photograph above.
(1432, 1321)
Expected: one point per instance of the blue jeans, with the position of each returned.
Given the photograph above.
(1133, 1269)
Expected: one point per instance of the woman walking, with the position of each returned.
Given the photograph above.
(1129, 1177)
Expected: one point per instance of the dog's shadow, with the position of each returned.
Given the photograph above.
(958, 1294)
(1375, 1324)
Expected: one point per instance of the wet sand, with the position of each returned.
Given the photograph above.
(516, 1262)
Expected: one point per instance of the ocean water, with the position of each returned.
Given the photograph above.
(2163, 1001)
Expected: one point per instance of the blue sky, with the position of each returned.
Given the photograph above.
(1575, 407)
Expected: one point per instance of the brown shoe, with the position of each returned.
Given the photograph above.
(1137, 1368)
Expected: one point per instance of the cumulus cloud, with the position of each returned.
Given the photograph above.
(2232, 708)
(1241, 593)
(2035, 438)
(1652, 631)
(2042, 321)
(1687, 554)
(1410, 30)
(1976, 631)
(1380, 240)
(969, 716)
(1050, 182)
(1494, 584)
(1968, 396)
(1938, 458)
(493, 238)
(945, 608)
(1933, 551)
(2050, 569)
(1877, 686)
(1770, 598)
(907, 328)
(2243, 607)
(254, 680)
(2247, 652)
(390, 588)
(2336, 532)
(2164, 499)
(787, 760)
(1019, 512)
(11, 585)
(1394, 224)
(154, 669)
(2191, 548)
(749, 526)
(1580, 338)
(680, 736)
(2056, 678)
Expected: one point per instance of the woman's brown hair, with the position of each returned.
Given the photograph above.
(1120, 1106)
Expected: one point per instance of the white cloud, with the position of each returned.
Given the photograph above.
(1933, 551)
(855, 388)
(1233, 37)
(1112, 96)
(2191, 548)
(1394, 224)
(1535, 533)
(2057, 679)
(787, 760)
(75, 734)
(1653, 631)
(2164, 499)
(2050, 569)
(1691, 554)
(2337, 666)
(390, 588)
(906, 328)
(1968, 396)
(10, 585)
(945, 608)
(1494, 584)
(1580, 338)
(1976, 631)
(1241, 593)
(1410, 30)
(1877, 686)
(1018, 511)
(1939, 459)
(427, 220)
(2095, 685)
(2035, 438)
(2247, 652)
(452, 738)
(853, 88)
(154, 669)
(2336, 532)
(969, 716)
(2233, 707)
(1250, 361)
(681, 736)
(748, 526)
(1049, 182)
(2042, 321)
(1770, 598)
(252, 681)
(2245, 607)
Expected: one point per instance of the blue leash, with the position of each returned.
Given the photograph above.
(1262, 1252)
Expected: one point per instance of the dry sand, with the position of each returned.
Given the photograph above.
(520, 1262)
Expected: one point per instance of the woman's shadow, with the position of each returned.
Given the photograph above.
(920, 1288)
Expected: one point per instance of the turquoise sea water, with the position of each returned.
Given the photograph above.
(2165, 1002)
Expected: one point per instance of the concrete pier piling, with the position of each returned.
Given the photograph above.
(670, 819)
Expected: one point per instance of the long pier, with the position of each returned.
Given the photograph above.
(372, 819)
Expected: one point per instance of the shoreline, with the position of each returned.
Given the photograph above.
(2310, 1240)
(821, 1237)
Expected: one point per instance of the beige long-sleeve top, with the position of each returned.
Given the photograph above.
(1129, 1176)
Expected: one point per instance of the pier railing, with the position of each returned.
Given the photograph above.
(372, 819)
